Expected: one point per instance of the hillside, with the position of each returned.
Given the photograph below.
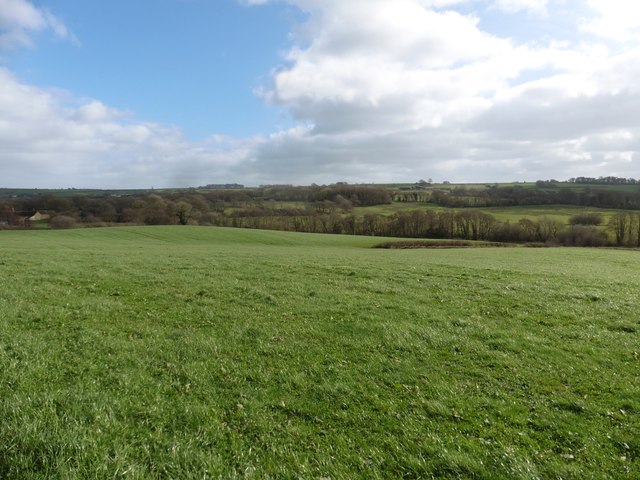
(570, 214)
(204, 352)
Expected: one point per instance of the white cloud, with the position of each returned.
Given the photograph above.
(396, 89)
(380, 90)
(616, 19)
(397, 62)
(20, 19)
(47, 141)
(20, 14)
(539, 6)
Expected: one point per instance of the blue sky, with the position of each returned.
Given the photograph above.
(191, 63)
(175, 93)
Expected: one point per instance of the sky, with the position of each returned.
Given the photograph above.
(183, 93)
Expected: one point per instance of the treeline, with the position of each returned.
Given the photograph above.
(626, 229)
(462, 224)
(191, 206)
(603, 181)
(355, 194)
(492, 196)
(316, 210)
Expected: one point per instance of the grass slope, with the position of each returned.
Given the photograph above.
(180, 352)
(562, 213)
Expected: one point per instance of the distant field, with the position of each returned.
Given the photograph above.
(195, 352)
(512, 214)
(73, 192)
(528, 185)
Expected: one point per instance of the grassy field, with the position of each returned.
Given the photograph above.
(578, 187)
(194, 352)
(561, 213)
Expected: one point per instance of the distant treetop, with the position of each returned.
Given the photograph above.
(604, 180)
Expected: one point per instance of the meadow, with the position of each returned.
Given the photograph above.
(203, 352)
(561, 213)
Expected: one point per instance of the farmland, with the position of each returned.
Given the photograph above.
(561, 213)
(546, 212)
(204, 352)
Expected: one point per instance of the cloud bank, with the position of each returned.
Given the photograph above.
(379, 90)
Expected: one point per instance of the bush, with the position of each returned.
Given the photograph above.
(586, 219)
(211, 218)
(62, 221)
(583, 236)
(508, 232)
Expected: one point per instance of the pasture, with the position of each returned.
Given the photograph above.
(561, 213)
(197, 352)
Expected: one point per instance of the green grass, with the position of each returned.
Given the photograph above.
(561, 213)
(186, 352)
(579, 187)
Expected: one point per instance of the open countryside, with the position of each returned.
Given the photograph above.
(320, 240)
(583, 212)
(207, 352)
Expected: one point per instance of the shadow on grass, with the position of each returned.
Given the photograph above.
(407, 244)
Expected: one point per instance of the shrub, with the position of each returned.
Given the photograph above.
(583, 236)
(211, 218)
(586, 218)
(508, 232)
(62, 221)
